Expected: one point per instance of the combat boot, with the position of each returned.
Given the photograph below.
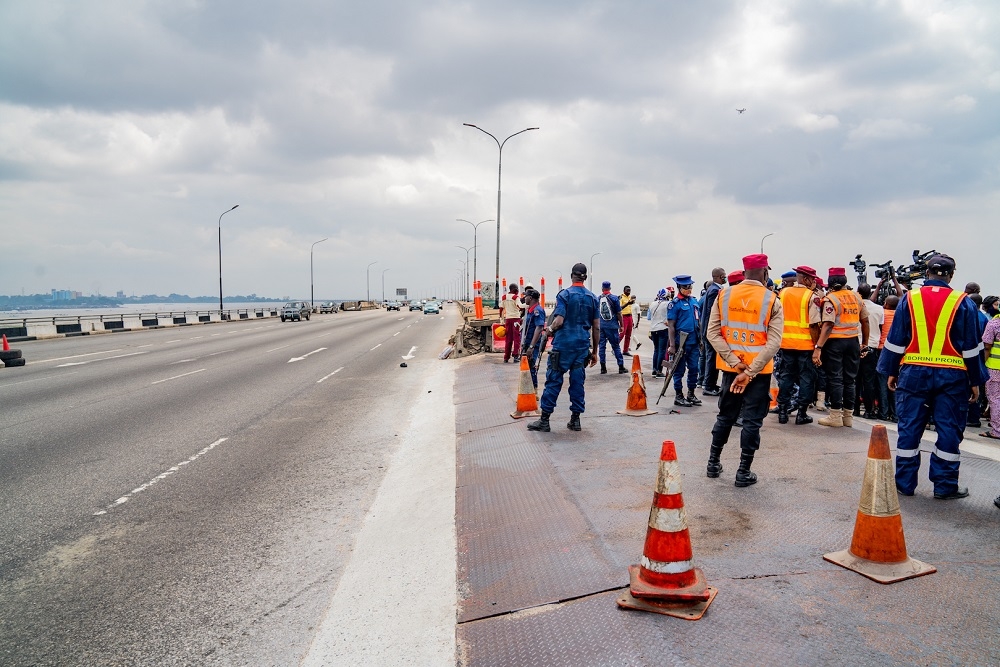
(803, 417)
(848, 417)
(821, 401)
(714, 468)
(744, 476)
(835, 419)
(680, 401)
(782, 414)
(621, 369)
(604, 369)
(692, 399)
(542, 424)
(574, 422)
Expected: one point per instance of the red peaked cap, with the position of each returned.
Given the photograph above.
(755, 262)
(838, 271)
(806, 271)
(735, 277)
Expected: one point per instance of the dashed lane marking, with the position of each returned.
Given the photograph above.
(330, 375)
(305, 355)
(396, 334)
(278, 348)
(376, 347)
(178, 376)
(77, 356)
(163, 475)
(82, 363)
(176, 340)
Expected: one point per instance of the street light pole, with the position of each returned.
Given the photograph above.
(383, 286)
(220, 258)
(762, 242)
(312, 295)
(466, 289)
(475, 246)
(591, 269)
(368, 282)
(500, 144)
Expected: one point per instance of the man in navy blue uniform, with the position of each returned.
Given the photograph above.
(533, 328)
(683, 318)
(575, 326)
(609, 308)
(709, 374)
(931, 359)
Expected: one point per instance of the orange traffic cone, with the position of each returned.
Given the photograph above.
(635, 404)
(6, 345)
(527, 402)
(878, 548)
(666, 581)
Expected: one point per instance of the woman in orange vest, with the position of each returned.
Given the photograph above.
(801, 308)
(745, 329)
(838, 349)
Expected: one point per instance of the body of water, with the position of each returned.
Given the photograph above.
(139, 308)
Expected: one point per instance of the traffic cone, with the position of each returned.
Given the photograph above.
(6, 345)
(878, 548)
(635, 404)
(666, 581)
(527, 402)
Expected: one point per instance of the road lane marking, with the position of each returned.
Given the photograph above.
(330, 375)
(409, 355)
(142, 346)
(305, 355)
(182, 361)
(77, 356)
(176, 340)
(396, 334)
(215, 353)
(82, 363)
(47, 377)
(196, 337)
(278, 348)
(178, 376)
(163, 475)
(376, 347)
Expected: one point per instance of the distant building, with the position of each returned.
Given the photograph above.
(64, 295)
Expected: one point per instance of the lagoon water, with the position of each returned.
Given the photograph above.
(135, 308)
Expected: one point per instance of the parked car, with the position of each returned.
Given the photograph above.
(415, 305)
(295, 310)
(431, 307)
(328, 307)
(392, 305)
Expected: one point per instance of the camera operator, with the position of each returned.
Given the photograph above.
(867, 382)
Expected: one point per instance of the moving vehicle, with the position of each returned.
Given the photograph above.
(328, 307)
(392, 305)
(415, 305)
(295, 310)
(432, 307)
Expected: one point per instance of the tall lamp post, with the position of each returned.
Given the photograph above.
(496, 285)
(591, 269)
(368, 282)
(383, 286)
(220, 259)
(312, 296)
(762, 242)
(466, 290)
(475, 246)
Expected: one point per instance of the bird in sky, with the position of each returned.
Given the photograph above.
(741, 110)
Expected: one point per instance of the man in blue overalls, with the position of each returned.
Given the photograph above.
(575, 326)
(683, 318)
(931, 359)
(609, 309)
(533, 339)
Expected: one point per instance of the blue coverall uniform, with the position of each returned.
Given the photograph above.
(570, 347)
(924, 390)
(534, 317)
(610, 331)
(683, 312)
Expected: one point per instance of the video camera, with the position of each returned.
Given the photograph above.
(861, 268)
(917, 270)
(884, 270)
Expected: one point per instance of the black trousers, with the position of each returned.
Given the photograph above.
(868, 380)
(754, 402)
(797, 368)
(841, 358)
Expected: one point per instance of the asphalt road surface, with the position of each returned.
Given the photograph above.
(193, 495)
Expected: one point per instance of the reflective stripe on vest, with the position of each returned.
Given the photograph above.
(795, 303)
(847, 322)
(993, 361)
(939, 352)
(744, 312)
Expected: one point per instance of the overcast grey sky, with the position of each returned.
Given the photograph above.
(127, 127)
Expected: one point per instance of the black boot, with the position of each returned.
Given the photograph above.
(622, 369)
(692, 399)
(803, 417)
(604, 369)
(744, 477)
(714, 468)
(680, 401)
(574, 422)
(782, 414)
(542, 424)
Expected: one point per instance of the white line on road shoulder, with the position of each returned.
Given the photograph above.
(77, 356)
(82, 363)
(163, 475)
(330, 375)
(178, 376)
(409, 531)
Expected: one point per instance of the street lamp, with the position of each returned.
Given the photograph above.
(466, 291)
(475, 246)
(496, 284)
(312, 296)
(591, 267)
(368, 283)
(220, 259)
(762, 242)
(383, 286)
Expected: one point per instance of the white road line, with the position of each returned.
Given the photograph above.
(163, 475)
(376, 347)
(305, 355)
(47, 377)
(396, 334)
(330, 375)
(76, 356)
(82, 363)
(141, 346)
(176, 340)
(215, 334)
(215, 353)
(278, 348)
(196, 337)
(178, 376)
(409, 355)
(182, 361)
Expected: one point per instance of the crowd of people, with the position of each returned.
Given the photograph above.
(928, 357)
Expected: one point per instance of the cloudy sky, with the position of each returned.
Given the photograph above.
(128, 127)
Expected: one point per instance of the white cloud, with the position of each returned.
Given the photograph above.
(810, 122)
(885, 129)
(962, 103)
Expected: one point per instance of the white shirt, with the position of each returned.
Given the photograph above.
(876, 318)
(658, 315)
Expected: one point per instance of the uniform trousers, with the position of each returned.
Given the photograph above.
(573, 361)
(798, 369)
(841, 358)
(610, 335)
(754, 402)
(690, 362)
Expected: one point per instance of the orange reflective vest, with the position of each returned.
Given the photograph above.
(847, 321)
(744, 312)
(933, 309)
(795, 302)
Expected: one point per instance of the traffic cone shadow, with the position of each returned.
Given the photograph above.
(666, 580)
(527, 401)
(878, 548)
(635, 403)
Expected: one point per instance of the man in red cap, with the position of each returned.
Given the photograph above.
(745, 329)
(798, 339)
(735, 278)
(838, 349)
